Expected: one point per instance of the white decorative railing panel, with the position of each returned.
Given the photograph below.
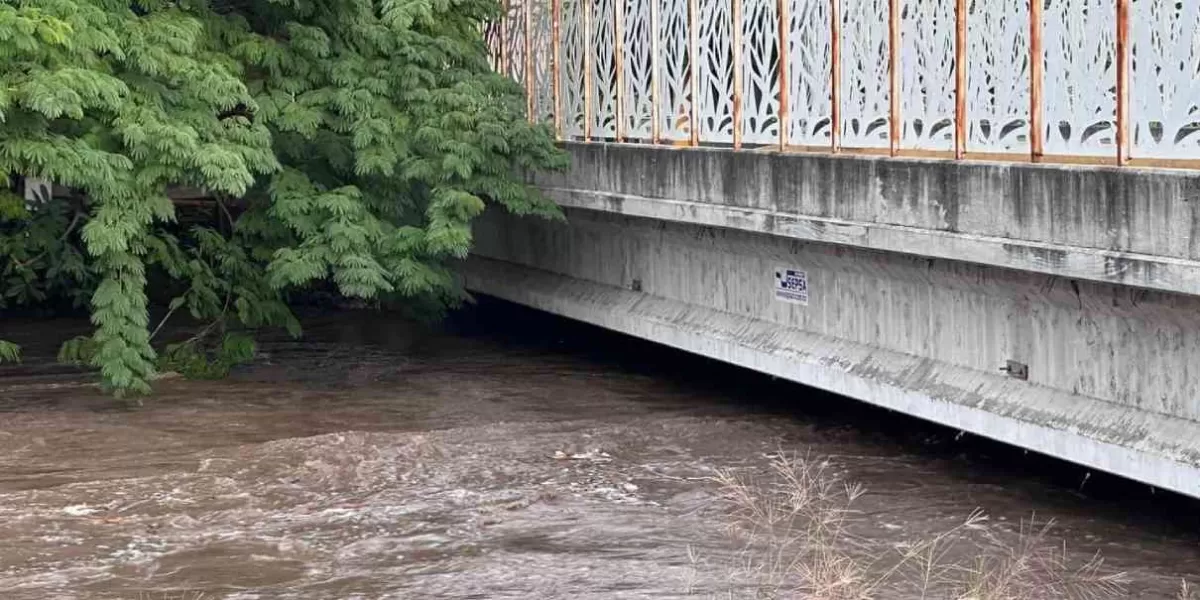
(927, 74)
(604, 68)
(1165, 90)
(541, 20)
(1081, 77)
(636, 99)
(760, 74)
(865, 82)
(1098, 81)
(675, 70)
(997, 94)
(513, 40)
(715, 106)
(572, 65)
(809, 49)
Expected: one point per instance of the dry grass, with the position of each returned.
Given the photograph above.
(801, 538)
(1186, 591)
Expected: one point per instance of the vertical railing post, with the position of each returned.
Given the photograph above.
(618, 18)
(960, 79)
(1037, 67)
(781, 10)
(736, 54)
(835, 77)
(694, 67)
(589, 75)
(655, 109)
(1123, 60)
(530, 76)
(893, 76)
(556, 66)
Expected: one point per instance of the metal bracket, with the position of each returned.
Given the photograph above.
(1016, 370)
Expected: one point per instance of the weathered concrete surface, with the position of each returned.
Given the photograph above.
(1129, 226)
(1112, 376)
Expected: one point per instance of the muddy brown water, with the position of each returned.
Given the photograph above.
(508, 455)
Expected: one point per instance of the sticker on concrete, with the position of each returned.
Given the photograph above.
(791, 285)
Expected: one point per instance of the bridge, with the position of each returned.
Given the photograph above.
(978, 212)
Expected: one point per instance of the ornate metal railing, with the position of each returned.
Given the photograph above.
(1096, 81)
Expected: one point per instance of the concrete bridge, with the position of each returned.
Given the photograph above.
(944, 218)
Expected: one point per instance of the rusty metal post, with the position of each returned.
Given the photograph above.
(781, 10)
(1037, 67)
(655, 109)
(835, 77)
(960, 79)
(1123, 60)
(893, 76)
(737, 51)
(530, 76)
(589, 66)
(556, 66)
(694, 67)
(619, 68)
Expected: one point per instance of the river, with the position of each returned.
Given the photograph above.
(503, 455)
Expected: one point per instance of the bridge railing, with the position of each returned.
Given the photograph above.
(1092, 81)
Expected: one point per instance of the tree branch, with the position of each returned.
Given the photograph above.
(62, 238)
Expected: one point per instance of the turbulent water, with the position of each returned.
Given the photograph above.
(516, 458)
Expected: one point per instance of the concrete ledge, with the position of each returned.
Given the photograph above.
(1130, 226)
(1108, 266)
(1153, 448)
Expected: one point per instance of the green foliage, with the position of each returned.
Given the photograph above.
(78, 351)
(9, 352)
(343, 142)
(196, 360)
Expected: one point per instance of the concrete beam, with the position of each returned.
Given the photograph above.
(1156, 449)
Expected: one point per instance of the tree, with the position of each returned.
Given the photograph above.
(346, 143)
